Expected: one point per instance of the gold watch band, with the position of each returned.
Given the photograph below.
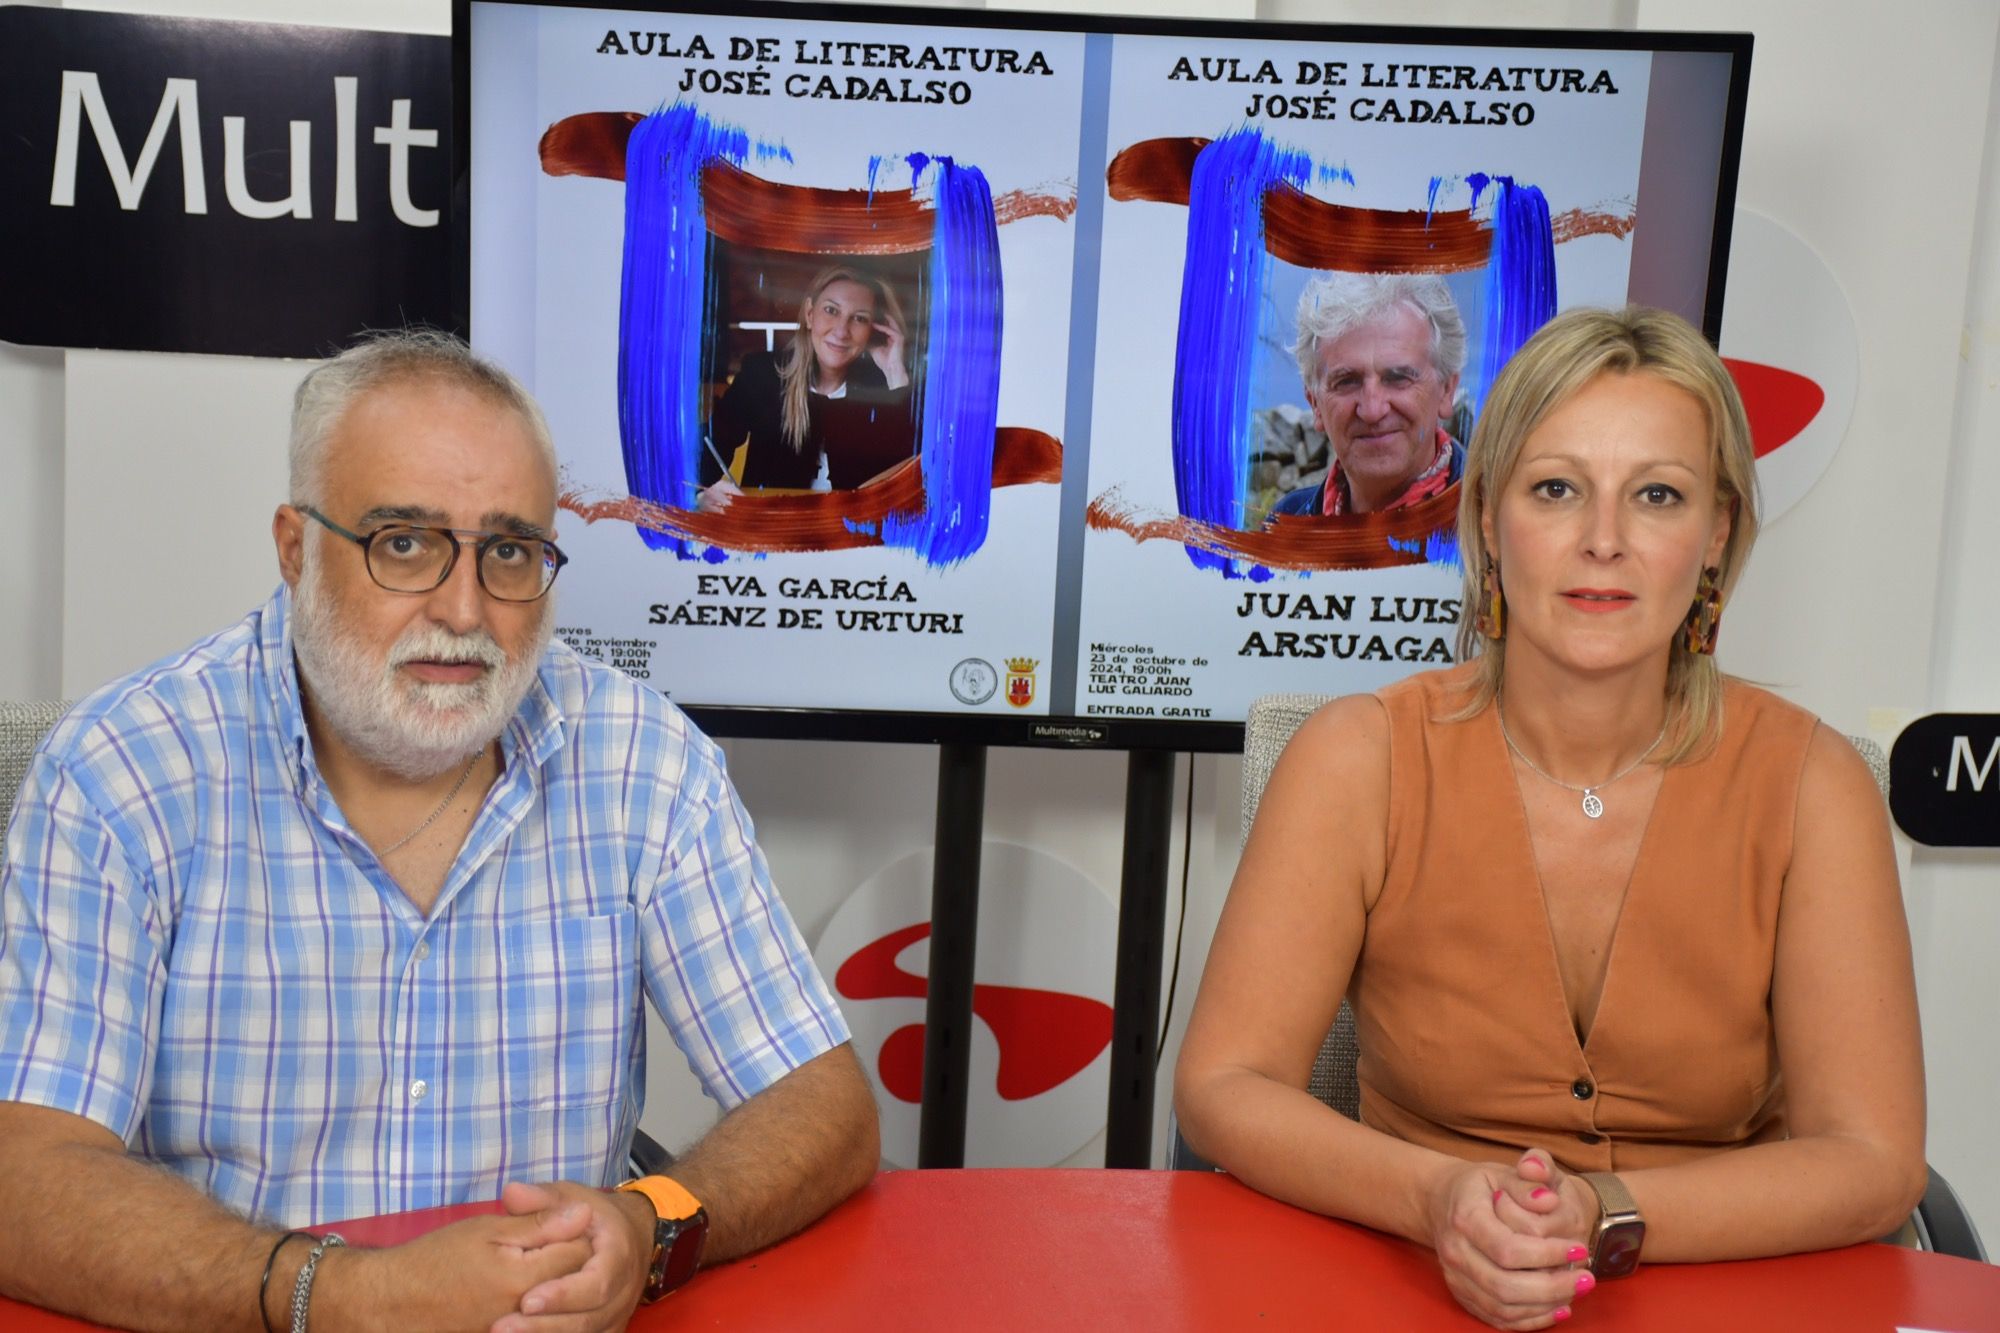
(1612, 1196)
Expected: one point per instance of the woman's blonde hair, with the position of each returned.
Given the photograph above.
(1568, 353)
(801, 370)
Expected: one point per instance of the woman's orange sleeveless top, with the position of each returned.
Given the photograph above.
(1466, 1039)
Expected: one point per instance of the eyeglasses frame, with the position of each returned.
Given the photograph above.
(487, 540)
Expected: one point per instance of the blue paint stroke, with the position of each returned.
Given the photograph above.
(1520, 276)
(859, 525)
(959, 406)
(662, 309)
(1439, 548)
(1333, 175)
(1222, 283)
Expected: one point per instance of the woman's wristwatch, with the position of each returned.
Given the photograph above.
(680, 1229)
(1614, 1247)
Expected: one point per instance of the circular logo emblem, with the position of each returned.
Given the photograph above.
(974, 680)
(1040, 1058)
(1789, 339)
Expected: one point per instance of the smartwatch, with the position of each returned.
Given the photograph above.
(1614, 1249)
(680, 1229)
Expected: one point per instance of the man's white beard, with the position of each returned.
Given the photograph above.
(415, 729)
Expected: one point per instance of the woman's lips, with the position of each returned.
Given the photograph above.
(1598, 600)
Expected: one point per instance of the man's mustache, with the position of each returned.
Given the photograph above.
(430, 643)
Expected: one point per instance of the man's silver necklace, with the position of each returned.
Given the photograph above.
(445, 804)
(1593, 804)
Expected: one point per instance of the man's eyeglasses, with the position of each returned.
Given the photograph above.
(404, 558)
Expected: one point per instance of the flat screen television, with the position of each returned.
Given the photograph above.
(935, 375)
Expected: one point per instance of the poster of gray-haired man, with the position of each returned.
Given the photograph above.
(1379, 356)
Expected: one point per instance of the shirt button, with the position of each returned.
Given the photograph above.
(1581, 1090)
(423, 950)
(418, 1089)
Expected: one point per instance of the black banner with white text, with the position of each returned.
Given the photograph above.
(256, 189)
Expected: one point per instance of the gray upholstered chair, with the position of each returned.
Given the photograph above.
(1941, 1221)
(22, 726)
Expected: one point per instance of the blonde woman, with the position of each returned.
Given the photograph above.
(1622, 935)
(831, 411)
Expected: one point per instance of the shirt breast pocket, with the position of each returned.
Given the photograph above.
(569, 996)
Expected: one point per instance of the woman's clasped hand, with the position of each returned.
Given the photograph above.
(1513, 1241)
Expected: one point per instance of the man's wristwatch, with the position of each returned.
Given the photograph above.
(1614, 1249)
(680, 1229)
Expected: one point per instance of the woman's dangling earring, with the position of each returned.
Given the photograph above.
(1492, 619)
(1704, 619)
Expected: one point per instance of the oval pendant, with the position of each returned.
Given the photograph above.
(1591, 805)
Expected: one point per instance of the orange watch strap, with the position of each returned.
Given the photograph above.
(670, 1199)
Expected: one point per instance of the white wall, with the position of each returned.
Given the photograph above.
(1954, 897)
(1869, 136)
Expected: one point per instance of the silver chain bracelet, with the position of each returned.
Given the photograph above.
(302, 1289)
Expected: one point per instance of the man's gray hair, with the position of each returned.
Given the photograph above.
(395, 356)
(1334, 304)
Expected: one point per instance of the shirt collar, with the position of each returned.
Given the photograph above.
(281, 681)
(537, 727)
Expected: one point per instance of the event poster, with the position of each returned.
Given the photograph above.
(966, 369)
(670, 217)
(1453, 165)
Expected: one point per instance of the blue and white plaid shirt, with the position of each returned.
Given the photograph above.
(198, 953)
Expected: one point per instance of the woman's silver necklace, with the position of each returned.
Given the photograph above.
(1593, 804)
(452, 795)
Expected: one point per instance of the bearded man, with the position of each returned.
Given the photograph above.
(349, 909)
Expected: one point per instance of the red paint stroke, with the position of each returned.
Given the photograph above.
(1156, 170)
(1046, 1037)
(1779, 403)
(1311, 232)
(1579, 222)
(827, 521)
(1294, 541)
(1058, 202)
(591, 144)
(752, 211)
(806, 219)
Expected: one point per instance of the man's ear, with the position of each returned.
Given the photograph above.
(1450, 399)
(288, 534)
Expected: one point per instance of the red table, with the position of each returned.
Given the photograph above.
(1165, 1250)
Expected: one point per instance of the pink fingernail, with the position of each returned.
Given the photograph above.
(1537, 1192)
(1562, 1314)
(1577, 1254)
(1584, 1282)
